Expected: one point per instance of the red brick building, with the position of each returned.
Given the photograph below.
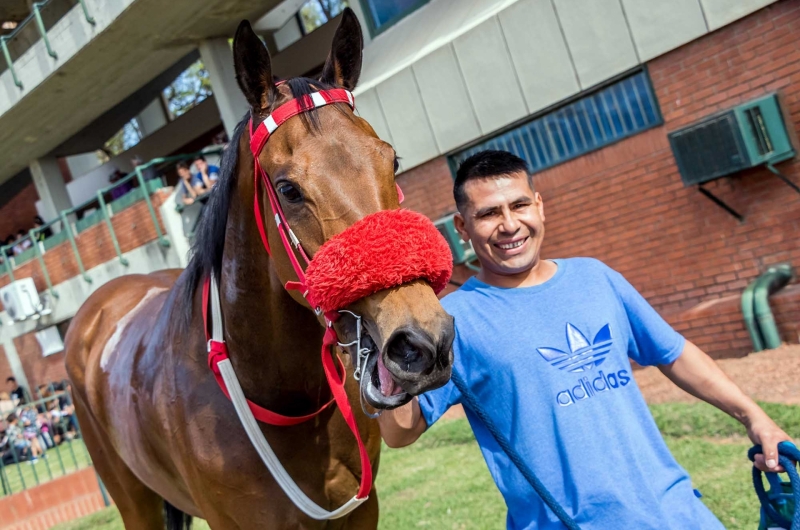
(626, 205)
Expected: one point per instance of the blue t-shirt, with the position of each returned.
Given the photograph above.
(213, 174)
(550, 363)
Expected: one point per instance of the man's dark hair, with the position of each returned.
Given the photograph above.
(11, 380)
(483, 165)
(11, 418)
(200, 157)
(181, 165)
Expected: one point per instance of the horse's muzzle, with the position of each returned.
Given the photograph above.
(411, 363)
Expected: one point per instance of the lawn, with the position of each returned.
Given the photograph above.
(441, 482)
(60, 461)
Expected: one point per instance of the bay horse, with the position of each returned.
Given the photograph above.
(162, 435)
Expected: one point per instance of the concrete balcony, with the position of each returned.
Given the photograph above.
(93, 59)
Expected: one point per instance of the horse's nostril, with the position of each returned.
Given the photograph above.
(411, 350)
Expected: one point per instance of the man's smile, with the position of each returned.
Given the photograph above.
(510, 245)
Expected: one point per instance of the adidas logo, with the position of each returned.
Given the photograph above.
(586, 389)
(582, 356)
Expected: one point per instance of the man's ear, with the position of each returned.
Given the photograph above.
(539, 204)
(461, 227)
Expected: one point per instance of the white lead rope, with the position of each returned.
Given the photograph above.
(257, 438)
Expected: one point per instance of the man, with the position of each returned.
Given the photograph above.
(545, 345)
(189, 187)
(16, 391)
(207, 174)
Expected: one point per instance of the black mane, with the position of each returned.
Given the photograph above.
(209, 240)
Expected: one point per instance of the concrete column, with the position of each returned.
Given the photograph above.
(15, 364)
(217, 57)
(152, 118)
(50, 186)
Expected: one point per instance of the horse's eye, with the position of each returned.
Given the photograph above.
(396, 164)
(290, 193)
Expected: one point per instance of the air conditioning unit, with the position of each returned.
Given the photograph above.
(749, 135)
(50, 341)
(462, 250)
(21, 300)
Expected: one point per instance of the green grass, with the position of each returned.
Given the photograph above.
(70, 455)
(441, 482)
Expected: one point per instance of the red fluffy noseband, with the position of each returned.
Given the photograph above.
(383, 250)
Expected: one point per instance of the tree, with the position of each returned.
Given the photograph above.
(191, 87)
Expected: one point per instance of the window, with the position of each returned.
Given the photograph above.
(615, 112)
(315, 13)
(381, 14)
(188, 90)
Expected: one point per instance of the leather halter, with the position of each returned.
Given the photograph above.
(218, 359)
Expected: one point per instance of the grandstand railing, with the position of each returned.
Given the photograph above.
(101, 208)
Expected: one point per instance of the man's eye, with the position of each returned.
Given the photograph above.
(290, 193)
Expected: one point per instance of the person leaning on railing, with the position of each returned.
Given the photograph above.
(190, 186)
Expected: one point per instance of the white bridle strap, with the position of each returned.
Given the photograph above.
(257, 438)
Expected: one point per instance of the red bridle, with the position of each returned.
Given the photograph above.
(217, 351)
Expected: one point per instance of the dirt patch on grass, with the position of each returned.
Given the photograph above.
(772, 376)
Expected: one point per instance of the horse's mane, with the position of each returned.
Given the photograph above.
(209, 242)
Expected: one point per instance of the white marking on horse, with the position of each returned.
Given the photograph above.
(112, 343)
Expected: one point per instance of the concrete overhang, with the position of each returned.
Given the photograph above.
(132, 42)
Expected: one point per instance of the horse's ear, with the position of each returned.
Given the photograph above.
(253, 68)
(343, 66)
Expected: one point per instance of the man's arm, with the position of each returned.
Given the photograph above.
(696, 373)
(402, 426)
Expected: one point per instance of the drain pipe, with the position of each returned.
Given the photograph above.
(750, 317)
(769, 283)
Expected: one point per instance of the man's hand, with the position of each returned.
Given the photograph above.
(696, 373)
(763, 431)
(403, 425)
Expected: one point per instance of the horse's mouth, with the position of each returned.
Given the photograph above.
(378, 386)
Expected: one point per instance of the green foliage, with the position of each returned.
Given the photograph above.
(315, 13)
(191, 87)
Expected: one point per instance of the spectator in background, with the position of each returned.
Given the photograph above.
(38, 222)
(207, 174)
(23, 243)
(6, 403)
(148, 173)
(189, 188)
(16, 392)
(122, 189)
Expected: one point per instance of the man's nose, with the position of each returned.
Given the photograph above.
(510, 223)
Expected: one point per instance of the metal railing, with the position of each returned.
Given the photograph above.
(44, 15)
(132, 188)
(39, 441)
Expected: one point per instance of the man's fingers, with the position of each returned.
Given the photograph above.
(760, 463)
(770, 449)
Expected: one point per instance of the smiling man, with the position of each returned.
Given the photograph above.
(545, 346)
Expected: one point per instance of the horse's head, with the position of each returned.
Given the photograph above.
(331, 170)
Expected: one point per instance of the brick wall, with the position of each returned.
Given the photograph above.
(58, 501)
(626, 205)
(5, 370)
(133, 227)
(18, 213)
(38, 369)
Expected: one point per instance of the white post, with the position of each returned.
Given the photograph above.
(217, 57)
(50, 186)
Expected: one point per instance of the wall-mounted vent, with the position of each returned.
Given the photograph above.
(746, 136)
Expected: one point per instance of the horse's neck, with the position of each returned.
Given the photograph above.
(274, 342)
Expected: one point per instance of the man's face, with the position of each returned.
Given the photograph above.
(184, 173)
(200, 165)
(504, 219)
(11, 385)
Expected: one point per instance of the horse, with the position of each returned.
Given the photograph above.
(163, 437)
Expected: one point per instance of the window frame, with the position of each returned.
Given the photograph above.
(560, 106)
(375, 30)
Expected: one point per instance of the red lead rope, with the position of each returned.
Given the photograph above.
(217, 351)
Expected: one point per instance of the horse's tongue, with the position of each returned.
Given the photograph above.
(388, 386)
